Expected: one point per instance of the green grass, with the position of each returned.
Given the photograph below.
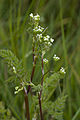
(63, 21)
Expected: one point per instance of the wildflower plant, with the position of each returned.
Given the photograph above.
(42, 106)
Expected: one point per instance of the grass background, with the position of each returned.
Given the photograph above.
(63, 21)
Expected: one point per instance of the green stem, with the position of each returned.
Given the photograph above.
(39, 94)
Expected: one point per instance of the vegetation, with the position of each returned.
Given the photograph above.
(62, 19)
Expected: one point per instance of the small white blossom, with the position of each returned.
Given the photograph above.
(38, 29)
(56, 58)
(31, 15)
(62, 70)
(39, 36)
(46, 39)
(52, 40)
(41, 28)
(45, 60)
(49, 44)
(37, 17)
(48, 36)
(14, 69)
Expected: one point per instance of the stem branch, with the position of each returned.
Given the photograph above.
(40, 106)
(39, 94)
(33, 69)
(26, 104)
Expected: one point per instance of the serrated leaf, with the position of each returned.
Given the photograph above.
(55, 109)
(50, 85)
(13, 62)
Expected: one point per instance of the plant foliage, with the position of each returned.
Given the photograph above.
(42, 103)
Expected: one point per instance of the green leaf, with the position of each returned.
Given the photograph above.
(55, 109)
(50, 85)
(14, 64)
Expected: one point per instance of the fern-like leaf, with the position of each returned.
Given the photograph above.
(55, 109)
(50, 85)
(13, 62)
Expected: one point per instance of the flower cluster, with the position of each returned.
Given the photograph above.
(38, 32)
(36, 17)
(48, 41)
(45, 60)
(56, 58)
(42, 41)
(62, 70)
(38, 29)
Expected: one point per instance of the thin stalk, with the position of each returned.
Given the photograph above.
(42, 76)
(42, 71)
(39, 94)
(26, 104)
(33, 70)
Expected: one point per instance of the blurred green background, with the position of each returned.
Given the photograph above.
(62, 17)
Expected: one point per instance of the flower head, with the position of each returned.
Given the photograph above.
(62, 70)
(37, 17)
(14, 69)
(38, 29)
(31, 15)
(52, 40)
(56, 58)
(45, 60)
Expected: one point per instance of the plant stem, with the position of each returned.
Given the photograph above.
(42, 71)
(39, 94)
(42, 75)
(33, 69)
(26, 104)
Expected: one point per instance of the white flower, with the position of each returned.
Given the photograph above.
(14, 69)
(36, 17)
(52, 40)
(56, 58)
(45, 60)
(38, 29)
(48, 36)
(41, 28)
(31, 15)
(49, 44)
(46, 39)
(39, 36)
(62, 70)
